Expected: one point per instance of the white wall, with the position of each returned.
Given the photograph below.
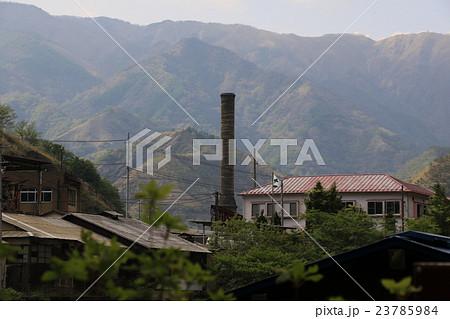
(360, 200)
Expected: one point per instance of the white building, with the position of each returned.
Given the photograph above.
(377, 194)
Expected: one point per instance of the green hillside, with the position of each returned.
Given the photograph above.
(196, 75)
(421, 162)
(30, 65)
(437, 172)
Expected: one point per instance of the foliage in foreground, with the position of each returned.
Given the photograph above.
(245, 252)
(402, 289)
(162, 274)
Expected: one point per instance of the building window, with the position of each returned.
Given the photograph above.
(393, 207)
(41, 254)
(375, 208)
(270, 209)
(293, 209)
(46, 195)
(72, 197)
(257, 210)
(420, 210)
(22, 254)
(290, 209)
(347, 204)
(28, 195)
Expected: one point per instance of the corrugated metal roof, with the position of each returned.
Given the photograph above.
(46, 227)
(355, 183)
(132, 229)
(16, 234)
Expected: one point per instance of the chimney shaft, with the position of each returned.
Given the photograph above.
(227, 199)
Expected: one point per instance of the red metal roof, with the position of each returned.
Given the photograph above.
(356, 183)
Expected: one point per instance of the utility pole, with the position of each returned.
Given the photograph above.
(139, 208)
(216, 206)
(2, 262)
(272, 213)
(1, 189)
(128, 192)
(1, 215)
(1, 198)
(254, 168)
(282, 205)
(403, 209)
(61, 156)
(127, 197)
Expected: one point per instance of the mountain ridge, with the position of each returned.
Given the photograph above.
(382, 102)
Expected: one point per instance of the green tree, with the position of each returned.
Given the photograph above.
(151, 194)
(7, 116)
(347, 229)
(57, 150)
(389, 223)
(245, 251)
(426, 224)
(87, 171)
(261, 218)
(324, 200)
(27, 131)
(276, 219)
(439, 209)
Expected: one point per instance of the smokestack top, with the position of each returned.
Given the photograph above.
(227, 94)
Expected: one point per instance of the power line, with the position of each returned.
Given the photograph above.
(88, 141)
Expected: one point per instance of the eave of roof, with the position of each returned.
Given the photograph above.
(46, 227)
(136, 231)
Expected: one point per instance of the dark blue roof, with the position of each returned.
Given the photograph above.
(435, 246)
(431, 240)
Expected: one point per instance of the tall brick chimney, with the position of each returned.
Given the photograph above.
(226, 198)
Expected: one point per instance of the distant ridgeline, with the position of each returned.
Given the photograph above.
(370, 106)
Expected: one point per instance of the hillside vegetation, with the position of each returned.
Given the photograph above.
(421, 162)
(437, 172)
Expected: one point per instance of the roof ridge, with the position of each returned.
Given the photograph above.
(366, 182)
(338, 175)
(408, 185)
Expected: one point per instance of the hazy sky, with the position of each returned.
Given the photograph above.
(302, 17)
